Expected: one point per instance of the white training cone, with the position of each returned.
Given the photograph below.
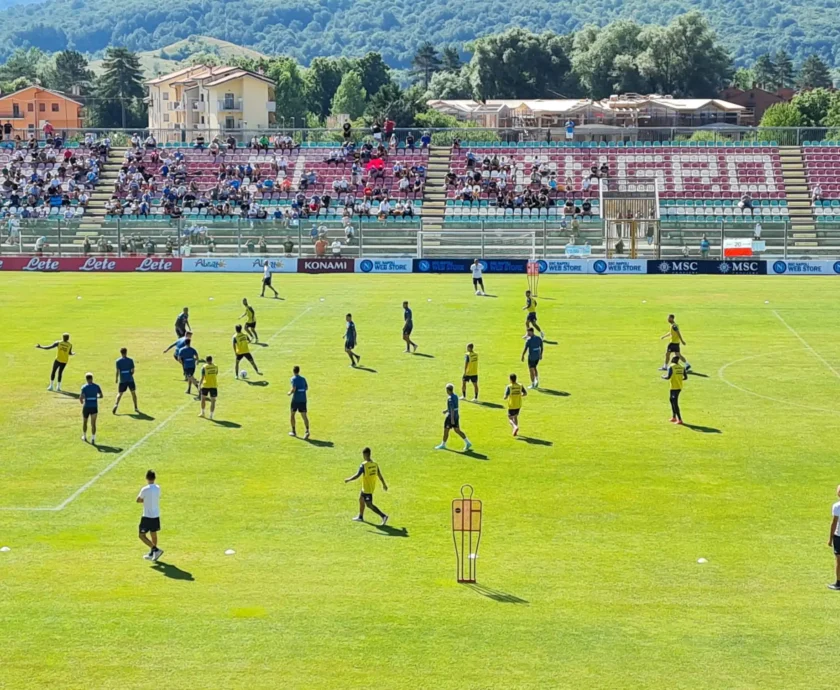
(322, 299)
(79, 297)
(5, 549)
(702, 560)
(230, 552)
(767, 301)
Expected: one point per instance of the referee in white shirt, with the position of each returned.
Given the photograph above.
(149, 496)
(834, 542)
(267, 280)
(478, 280)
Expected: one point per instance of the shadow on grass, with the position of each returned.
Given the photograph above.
(318, 443)
(472, 454)
(261, 384)
(491, 296)
(702, 429)
(142, 416)
(226, 424)
(173, 571)
(388, 531)
(107, 449)
(492, 406)
(282, 299)
(423, 354)
(535, 441)
(367, 369)
(68, 394)
(697, 373)
(495, 594)
(551, 391)
(550, 342)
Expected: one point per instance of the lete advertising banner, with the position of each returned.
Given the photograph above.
(803, 268)
(463, 265)
(326, 265)
(706, 267)
(91, 264)
(383, 265)
(239, 265)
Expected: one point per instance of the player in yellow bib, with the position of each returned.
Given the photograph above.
(64, 351)
(674, 343)
(250, 320)
(677, 375)
(242, 351)
(470, 373)
(369, 472)
(514, 394)
(531, 317)
(208, 386)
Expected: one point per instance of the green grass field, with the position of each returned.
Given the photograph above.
(588, 564)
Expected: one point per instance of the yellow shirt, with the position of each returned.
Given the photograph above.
(472, 364)
(210, 372)
(677, 377)
(240, 343)
(63, 350)
(514, 391)
(371, 472)
(249, 315)
(531, 303)
(675, 333)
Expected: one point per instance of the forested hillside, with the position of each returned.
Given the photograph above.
(305, 29)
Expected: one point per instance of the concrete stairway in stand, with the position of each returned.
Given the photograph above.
(803, 229)
(91, 223)
(434, 196)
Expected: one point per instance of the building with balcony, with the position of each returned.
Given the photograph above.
(29, 109)
(212, 100)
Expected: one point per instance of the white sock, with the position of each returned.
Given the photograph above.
(93, 437)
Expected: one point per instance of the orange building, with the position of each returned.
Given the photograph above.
(29, 109)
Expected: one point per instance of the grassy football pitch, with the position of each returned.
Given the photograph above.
(594, 520)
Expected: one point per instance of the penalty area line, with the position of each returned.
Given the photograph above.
(807, 346)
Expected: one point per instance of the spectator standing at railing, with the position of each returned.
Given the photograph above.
(425, 140)
(347, 131)
(409, 142)
(570, 130)
(704, 247)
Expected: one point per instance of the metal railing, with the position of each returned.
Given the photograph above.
(407, 239)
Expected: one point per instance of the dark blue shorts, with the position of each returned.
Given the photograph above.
(127, 385)
(189, 371)
(533, 363)
(299, 406)
(349, 344)
(532, 316)
(409, 326)
(447, 422)
(88, 411)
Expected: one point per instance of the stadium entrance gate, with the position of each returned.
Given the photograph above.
(631, 220)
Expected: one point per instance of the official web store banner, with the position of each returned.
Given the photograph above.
(91, 264)
(463, 265)
(573, 266)
(803, 268)
(239, 265)
(383, 266)
(706, 267)
(618, 266)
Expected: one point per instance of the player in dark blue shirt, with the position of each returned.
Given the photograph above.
(350, 341)
(182, 323)
(125, 379)
(298, 393)
(452, 420)
(189, 359)
(408, 326)
(534, 348)
(89, 400)
(177, 345)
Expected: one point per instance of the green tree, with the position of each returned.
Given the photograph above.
(450, 85)
(350, 96)
(764, 71)
(785, 73)
(814, 105)
(433, 119)
(684, 58)
(814, 74)
(451, 59)
(605, 59)
(782, 115)
(290, 92)
(425, 63)
(119, 91)
(69, 69)
(374, 72)
(520, 64)
(743, 79)
(322, 80)
(401, 106)
(24, 63)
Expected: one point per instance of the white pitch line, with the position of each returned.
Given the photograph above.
(78, 492)
(807, 346)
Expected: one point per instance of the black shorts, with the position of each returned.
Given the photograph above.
(299, 407)
(478, 281)
(533, 363)
(189, 372)
(58, 368)
(514, 412)
(180, 331)
(674, 347)
(532, 317)
(349, 344)
(447, 422)
(149, 525)
(835, 541)
(408, 328)
(209, 392)
(247, 356)
(267, 282)
(471, 379)
(367, 498)
(251, 324)
(126, 385)
(88, 411)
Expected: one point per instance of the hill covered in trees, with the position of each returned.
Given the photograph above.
(305, 29)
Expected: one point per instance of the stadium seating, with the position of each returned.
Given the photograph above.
(822, 170)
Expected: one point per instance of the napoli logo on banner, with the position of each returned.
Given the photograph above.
(543, 265)
(599, 266)
(366, 266)
(483, 264)
(424, 266)
(837, 266)
(781, 266)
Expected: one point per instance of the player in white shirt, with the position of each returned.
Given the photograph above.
(267, 281)
(834, 541)
(478, 280)
(149, 496)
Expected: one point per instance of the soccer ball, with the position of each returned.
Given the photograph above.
(478, 292)
(243, 374)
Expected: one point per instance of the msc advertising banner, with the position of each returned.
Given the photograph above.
(239, 265)
(90, 264)
(706, 267)
(803, 268)
(383, 265)
(463, 265)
